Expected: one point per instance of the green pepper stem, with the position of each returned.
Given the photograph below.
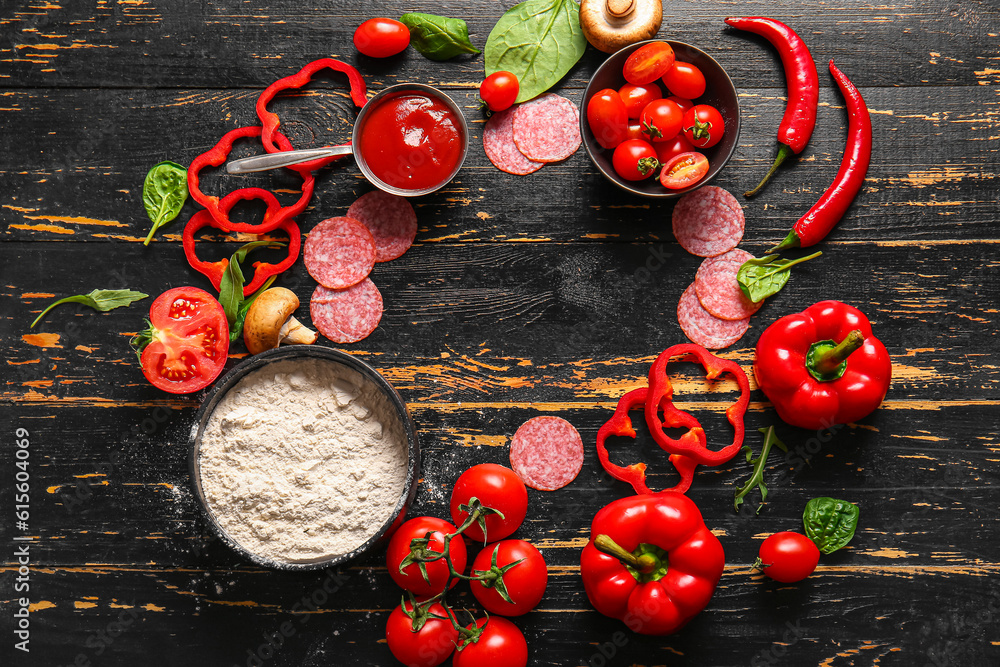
(784, 152)
(790, 241)
(830, 360)
(643, 564)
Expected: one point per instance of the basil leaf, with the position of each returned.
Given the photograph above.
(830, 523)
(762, 277)
(232, 283)
(236, 330)
(163, 194)
(757, 478)
(538, 41)
(438, 37)
(98, 299)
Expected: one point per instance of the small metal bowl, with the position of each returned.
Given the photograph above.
(719, 92)
(291, 353)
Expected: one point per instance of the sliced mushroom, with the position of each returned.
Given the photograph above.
(269, 322)
(610, 25)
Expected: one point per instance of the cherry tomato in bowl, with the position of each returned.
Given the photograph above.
(683, 170)
(788, 557)
(381, 37)
(607, 117)
(661, 120)
(703, 126)
(648, 63)
(497, 487)
(682, 102)
(635, 160)
(427, 647)
(637, 97)
(501, 643)
(667, 149)
(685, 80)
(410, 578)
(499, 90)
(524, 582)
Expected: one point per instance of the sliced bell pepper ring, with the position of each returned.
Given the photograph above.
(661, 395)
(272, 139)
(214, 270)
(274, 217)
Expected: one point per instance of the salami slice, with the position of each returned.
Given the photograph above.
(705, 329)
(498, 142)
(339, 252)
(708, 221)
(546, 453)
(391, 220)
(717, 289)
(547, 129)
(347, 315)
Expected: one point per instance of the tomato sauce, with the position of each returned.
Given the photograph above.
(412, 141)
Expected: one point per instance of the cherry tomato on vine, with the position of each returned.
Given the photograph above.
(525, 582)
(788, 557)
(499, 90)
(497, 487)
(637, 97)
(607, 118)
(427, 647)
(634, 160)
(410, 578)
(501, 643)
(648, 63)
(667, 149)
(661, 120)
(683, 170)
(703, 126)
(682, 102)
(381, 38)
(685, 80)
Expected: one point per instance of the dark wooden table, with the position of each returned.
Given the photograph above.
(520, 298)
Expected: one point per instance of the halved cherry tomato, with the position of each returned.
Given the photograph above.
(411, 579)
(524, 583)
(381, 38)
(667, 149)
(495, 486)
(427, 647)
(185, 347)
(501, 643)
(648, 63)
(661, 120)
(499, 90)
(703, 126)
(607, 118)
(634, 160)
(683, 170)
(637, 97)
(685, 80)
(634, 131)
(682, 102)
(788, 557)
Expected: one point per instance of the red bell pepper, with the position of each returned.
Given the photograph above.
(823, 366)
(651, 562)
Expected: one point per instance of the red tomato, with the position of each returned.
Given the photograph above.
(497, 487)
(682, 102)
(525, 582)
(429, 646)
(607, 118)
(499, 90)
(188, 340)
(634, 160)
(703, 126)
(667, 149)
(661, 120)
(381, 38)
(637, 97)
(399, 548)
(501, 643)
(648, 63)
(685, 80)
(634, 131)
(683, 170)
(788, 557)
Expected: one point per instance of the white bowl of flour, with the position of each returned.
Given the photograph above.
(303, 457)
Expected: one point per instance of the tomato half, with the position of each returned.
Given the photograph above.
(501, 643)
(661, 120)
(637, 97)
(499, 90)
(634, 160)
(497, 487)
(437, 571)
(381, 37)
(607, 118)
(703, 126)
(187, 341)
(683, 170)
(667, 149)
(525, 582)
(648, 63)
(685, 80)
(427, 647)
(788, 557)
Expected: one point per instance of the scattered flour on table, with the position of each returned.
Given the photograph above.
(303, 460)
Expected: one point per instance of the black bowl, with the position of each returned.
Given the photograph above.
(719, 92)
(293, 352)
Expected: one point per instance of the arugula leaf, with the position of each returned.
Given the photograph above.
(438, 37)
(757, 479)
(762, 277)
(163, 194)
(102, 300)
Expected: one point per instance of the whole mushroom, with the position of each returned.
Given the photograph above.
(269, 322)
(610, 25)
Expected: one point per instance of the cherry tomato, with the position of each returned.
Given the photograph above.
(788, 557)
(607, 118)
(381, 38)
(499, 90)
(429, 646)
(703, 126)
(661, 120)
(667, 149)
(524, 583)
(501, 643)
(648, 63)
(683, 170)
(634, 131)
(634, 160)
(437, 571)
(497, 487)
(685, 80)
(188, 340)
(682, 102)
(637, 97)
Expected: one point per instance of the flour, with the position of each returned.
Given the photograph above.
(303, 460)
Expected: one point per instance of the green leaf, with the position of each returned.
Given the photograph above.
(236, 330)
(232, 283)
(757, 478)
(762, 277)
(538, 41)
(98, 299)
(163, 194)
(830, 523)
(438, 37)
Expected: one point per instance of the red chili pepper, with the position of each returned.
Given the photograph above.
(635, 474)
(803, 86)
(831, 207)
(693, 444)
(214, 270)
(274, 217)
(273, 140)
(822, 366)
